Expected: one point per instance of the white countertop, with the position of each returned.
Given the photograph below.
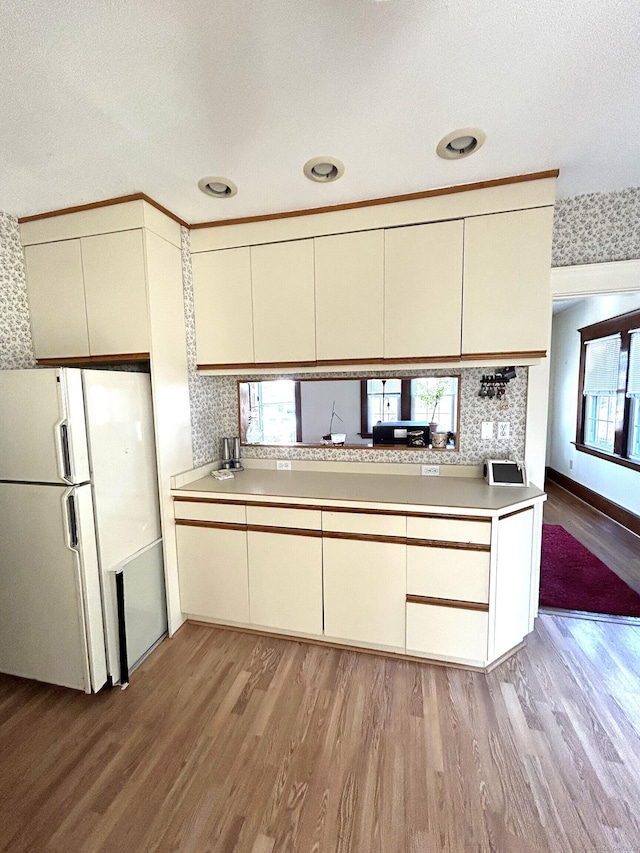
(327, 489)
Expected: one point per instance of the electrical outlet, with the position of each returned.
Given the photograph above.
(504, 428)
(487, 429)
(570, 464)
(283, 464)
(430, 470)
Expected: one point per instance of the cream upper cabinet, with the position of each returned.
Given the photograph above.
(349, 272)
(423, 290)
(507, 292)
(55, 289)
(283, 290)
(115, 293)
(88, 296)
(223, 306)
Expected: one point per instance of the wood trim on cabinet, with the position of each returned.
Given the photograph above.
(218, 525)
(72, 361)
(107, 202)
(516, 512)
(459, 188)
(613, 510)
(454, 546)
(486, 356)
(482, 518)
(250, 366)
(448, 602)
(285, 531)
(364, 537)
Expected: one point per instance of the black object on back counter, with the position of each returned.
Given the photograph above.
(408, 433)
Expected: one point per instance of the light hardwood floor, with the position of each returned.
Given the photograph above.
(617, 547)
(227, 741)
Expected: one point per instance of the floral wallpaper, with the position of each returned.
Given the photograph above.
(597, 228)
(16, 350)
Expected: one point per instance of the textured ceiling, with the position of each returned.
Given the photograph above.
(107, 97)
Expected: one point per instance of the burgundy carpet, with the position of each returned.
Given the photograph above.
(572, 578)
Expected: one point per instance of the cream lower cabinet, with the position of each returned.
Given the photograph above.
(450, 588)
(213, 573)
(212, 560)
(448, 577)
(365, 565)
(285, 568)
(285, 581)
(448, 633)
(88, 296)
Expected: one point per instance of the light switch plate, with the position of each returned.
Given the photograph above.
(487, 429)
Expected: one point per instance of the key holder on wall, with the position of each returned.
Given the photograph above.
(494, 385)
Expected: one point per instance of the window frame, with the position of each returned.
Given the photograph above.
(405, 404)
(623, 325)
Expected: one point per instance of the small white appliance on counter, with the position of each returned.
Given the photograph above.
(505, 472)
(78, 501)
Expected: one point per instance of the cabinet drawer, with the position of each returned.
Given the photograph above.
(448, 573)
(357, 522)
(447, 632)
(225, 513)
(308, 519)
(449, 530)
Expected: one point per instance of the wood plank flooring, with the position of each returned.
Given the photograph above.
(617, 547)
(226, 741)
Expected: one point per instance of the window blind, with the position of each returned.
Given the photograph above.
(633, 383)
(601, 365)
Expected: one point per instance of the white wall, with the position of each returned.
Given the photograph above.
(615, 482)
(316, 399)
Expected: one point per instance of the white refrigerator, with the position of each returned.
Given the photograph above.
(78, 503)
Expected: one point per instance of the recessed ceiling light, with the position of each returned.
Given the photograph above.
(218, 187)
(460, 143)
(323, 169)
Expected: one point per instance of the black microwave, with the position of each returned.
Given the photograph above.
(408, 433)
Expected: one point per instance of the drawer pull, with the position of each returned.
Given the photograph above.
(448, 602)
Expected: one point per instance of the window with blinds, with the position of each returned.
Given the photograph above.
(633, 393)
(609, 413)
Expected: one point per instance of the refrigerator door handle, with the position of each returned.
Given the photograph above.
(72, 519)
(64, 451)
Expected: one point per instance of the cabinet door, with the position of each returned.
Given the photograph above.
(423, 290)
(115, 293)
(285, 581)
(212, 566)
(349, 295)
(507, 291)
(365, 591)
(222, 306)
(55, 290)
(283, 290)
